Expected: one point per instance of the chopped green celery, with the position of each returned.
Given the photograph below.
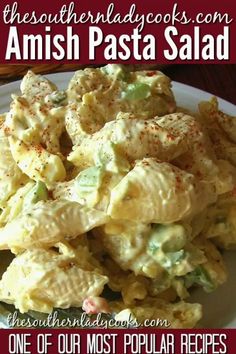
(200, 277)
(116, 70)
(88, 184)
(153, 247)
(58, 97)
(137, 91)
(170, 259)
(37, 193)
(108, 157)
(175, 257)
(166, 243)
(90, 179)
(170, 238)
(41, 192)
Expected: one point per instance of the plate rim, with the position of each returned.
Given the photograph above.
(175, 85)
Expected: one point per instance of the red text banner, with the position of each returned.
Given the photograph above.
(117, 31)
(142, 341)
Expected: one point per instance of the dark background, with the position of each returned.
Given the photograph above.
(218, 79)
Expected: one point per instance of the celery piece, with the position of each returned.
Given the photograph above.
(58, 97)
(200, 277)
(37, 193)
(137, 91)
(41, 192)
(90, 179)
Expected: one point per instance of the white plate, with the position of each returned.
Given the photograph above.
(219, 307)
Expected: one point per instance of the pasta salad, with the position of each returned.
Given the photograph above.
(109, 185)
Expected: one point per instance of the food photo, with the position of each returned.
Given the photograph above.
(118, 194)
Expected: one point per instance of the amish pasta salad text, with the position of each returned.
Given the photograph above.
(107, 188)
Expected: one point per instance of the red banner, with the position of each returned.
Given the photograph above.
(145, 341)
(117, 31)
